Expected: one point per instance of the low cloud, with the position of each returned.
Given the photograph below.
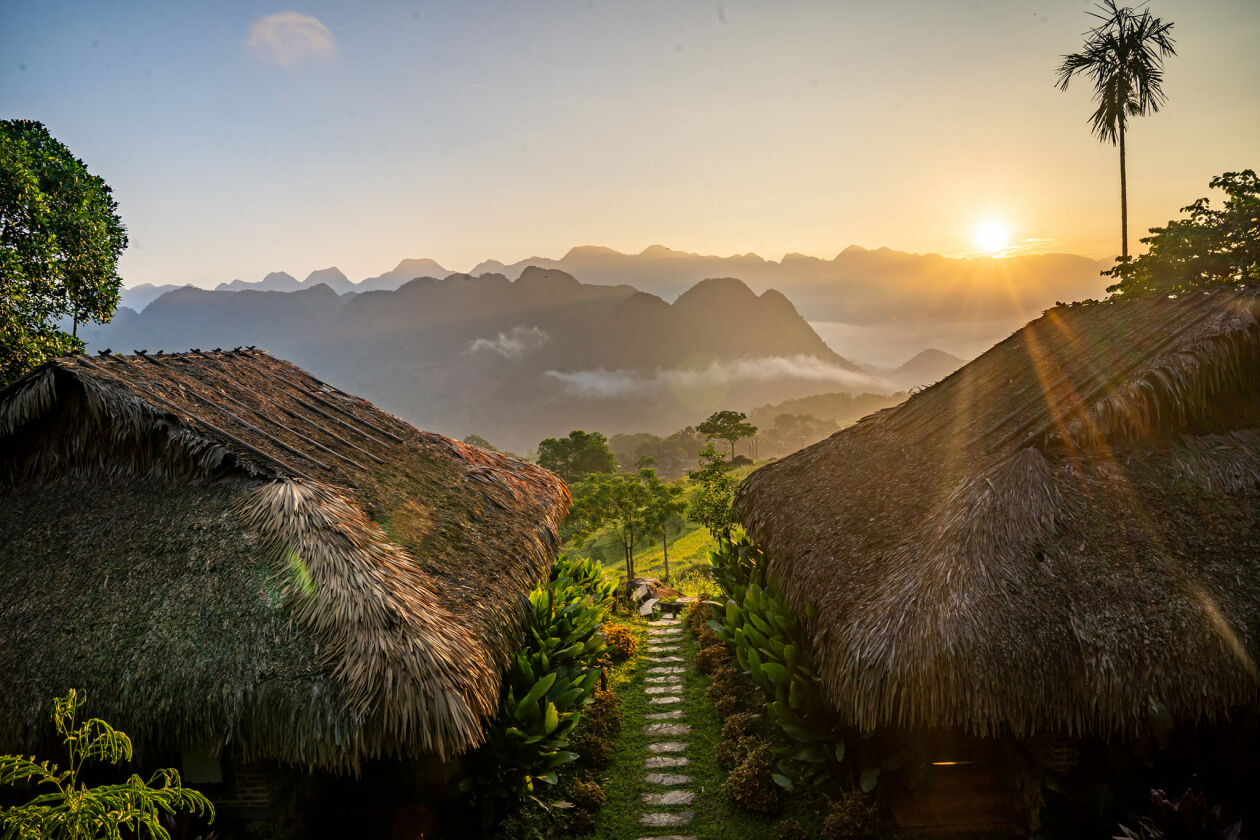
(618, 383)
(289, 38)
(511, 344)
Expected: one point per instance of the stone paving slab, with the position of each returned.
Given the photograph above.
(673, 714)
(674, 729)
(663, 622)
(664, 689)
(672, 678)
(664, 658)
(671, 837)
(663, 648)
(664, 631)
(669, 797)
(667, 779)
(665, 701)
(663, 820)
(667, 669)
(667, 747)
(656, 762)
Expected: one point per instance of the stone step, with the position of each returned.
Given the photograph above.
(667, 669)
(664, 701)
(663, 622)
(672, 678)
(664, 631)
(656, 762)
(671, 837)
(663, 689)
(663, 648)
(667, 747)
(664, 659)
(673, 714)
(666, 729)
(669, 797)
(663, 820)
(667, 779)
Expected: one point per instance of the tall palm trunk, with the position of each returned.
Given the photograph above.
(1124, 197)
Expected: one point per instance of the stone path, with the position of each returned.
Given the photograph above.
(666, 760)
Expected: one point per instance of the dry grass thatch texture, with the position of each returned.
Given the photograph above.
(375, 640)
(1062, 536)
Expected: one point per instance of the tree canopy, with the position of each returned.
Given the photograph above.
(60, 240)
(729, 426)
(1208, 249)
(711, 506)
(576, 456)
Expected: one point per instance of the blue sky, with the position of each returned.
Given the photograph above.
(359, 134)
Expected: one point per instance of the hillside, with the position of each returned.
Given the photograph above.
(515, 361)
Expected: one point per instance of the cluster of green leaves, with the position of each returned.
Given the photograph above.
(715, 492)
(636, 505)
(729, 426)
(576, 456)
(1211, 248)
(771, 646)
(73, 811)
(60, 240)
(548, 682)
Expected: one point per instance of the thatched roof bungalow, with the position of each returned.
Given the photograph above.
(222, 549)
(1063, 536)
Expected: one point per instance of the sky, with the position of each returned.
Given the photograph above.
(242, 138)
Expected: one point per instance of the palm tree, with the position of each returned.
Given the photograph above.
(1124, 55)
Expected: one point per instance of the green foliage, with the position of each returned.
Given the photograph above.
(772, 648)
(729, 426)
(60, 239)
(751, 784)
(663, 506)
(576, 456)
(621, 641)
(1189, 818)
(547, 684)
(74, 811)
(478, 440)
(853, 815)
(715, 491)
(1123, 55)
(1209, 249)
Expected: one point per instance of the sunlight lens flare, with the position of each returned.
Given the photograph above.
(991, 235)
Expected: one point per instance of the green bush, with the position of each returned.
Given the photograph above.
(594, 750)
(750, 785)
(853, 815)
(621, 641)
(547, 684)
(709, 659)
(73, 811)
(603, 715)
(789, 829)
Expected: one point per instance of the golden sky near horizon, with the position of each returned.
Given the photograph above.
(242, 138)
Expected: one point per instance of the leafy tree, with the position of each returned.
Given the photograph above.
(1211, 248)
(60, 239)
(664, 506)
(729, 426)
(73, 811)
(616, 499)
(478, 440)
(715, 490)
(1124, 56)
(576, 456)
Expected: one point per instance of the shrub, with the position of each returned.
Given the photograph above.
(706, 637)
(696, 614)
(790, 829)
(73, 810)
(587, 796)
(738, 725)
(603, 714)
(547, 685)
(621, 641)
(726, 705)
(750, 785)
(594, 750)
(851, 816)
(708, 659)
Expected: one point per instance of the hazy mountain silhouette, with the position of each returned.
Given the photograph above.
(138, 297)
(514, 361)
(924, 369)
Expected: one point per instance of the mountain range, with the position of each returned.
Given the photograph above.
(515, 360)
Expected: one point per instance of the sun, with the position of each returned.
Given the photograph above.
(991, 235)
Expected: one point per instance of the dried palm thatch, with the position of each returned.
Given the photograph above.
(218, 546)
(1064, 535)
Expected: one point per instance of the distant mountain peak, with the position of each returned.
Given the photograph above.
(587, 251)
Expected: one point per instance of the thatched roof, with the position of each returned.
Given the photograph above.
(1062, 535)
(217, 546)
